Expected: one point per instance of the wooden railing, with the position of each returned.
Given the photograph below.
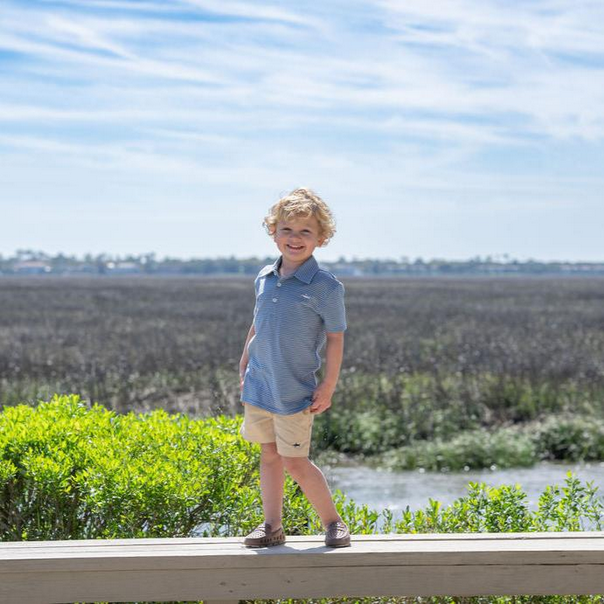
(375, 565)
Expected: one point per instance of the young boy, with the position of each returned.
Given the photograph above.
(299, 307)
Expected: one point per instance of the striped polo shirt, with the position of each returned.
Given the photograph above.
(291, 318)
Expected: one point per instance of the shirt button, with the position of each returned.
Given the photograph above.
(274, 299)
(278, 284)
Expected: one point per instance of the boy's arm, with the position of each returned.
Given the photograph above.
(245, 357)
(334, 353)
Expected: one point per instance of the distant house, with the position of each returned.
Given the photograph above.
(344, 270)
(31, 267)
(122, 268)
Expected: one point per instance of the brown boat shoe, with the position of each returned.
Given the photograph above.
(264, 536)
(337, 534)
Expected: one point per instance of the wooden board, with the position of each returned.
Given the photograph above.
(461, 564)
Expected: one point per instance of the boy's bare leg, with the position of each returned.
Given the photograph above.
(314, 486)
(272, 479)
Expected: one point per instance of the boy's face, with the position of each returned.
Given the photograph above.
(297, 238)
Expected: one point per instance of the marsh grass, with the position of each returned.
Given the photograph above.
(425, 359)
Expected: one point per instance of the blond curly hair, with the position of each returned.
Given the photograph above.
(301, 203)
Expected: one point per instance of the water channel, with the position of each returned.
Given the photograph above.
(382, 489)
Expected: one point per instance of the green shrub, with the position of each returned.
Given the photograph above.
(504, 448)
(567, 437)
(70, 471)
(557, 437)
(574, 507)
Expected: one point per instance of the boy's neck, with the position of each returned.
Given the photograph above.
(285, 270)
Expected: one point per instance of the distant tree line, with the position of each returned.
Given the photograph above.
(34, 262)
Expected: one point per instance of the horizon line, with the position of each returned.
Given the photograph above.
(500, 258)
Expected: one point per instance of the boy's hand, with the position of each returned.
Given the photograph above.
(321, 398)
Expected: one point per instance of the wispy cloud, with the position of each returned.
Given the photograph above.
(460, 95)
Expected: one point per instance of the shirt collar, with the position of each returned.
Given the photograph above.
(305, 272)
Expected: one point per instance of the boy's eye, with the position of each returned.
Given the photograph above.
(305, 231)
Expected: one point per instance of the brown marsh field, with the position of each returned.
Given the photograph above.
(424, 357)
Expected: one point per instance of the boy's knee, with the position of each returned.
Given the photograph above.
(295, 465)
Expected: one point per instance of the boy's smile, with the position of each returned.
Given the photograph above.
(297, 239)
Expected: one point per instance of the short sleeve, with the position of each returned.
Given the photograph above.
(256, 295)
(333, 311)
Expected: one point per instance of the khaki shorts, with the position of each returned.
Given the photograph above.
(290, 432)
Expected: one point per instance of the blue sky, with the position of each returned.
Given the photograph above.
(437, 129)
